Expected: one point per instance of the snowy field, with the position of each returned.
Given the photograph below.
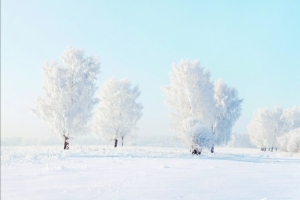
(101, 172)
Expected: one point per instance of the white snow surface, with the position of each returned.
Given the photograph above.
(102, 172)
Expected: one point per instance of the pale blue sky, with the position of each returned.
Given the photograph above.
(252, 45)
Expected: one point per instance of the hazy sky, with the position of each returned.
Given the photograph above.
(252, 45)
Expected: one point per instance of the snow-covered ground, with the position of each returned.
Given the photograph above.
(101, 172)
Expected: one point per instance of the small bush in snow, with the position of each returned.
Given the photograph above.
(197, 133)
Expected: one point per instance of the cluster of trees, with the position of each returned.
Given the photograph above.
(202, 112)
(280, 127)
(69, 99)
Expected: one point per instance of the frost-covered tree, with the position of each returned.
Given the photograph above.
(256, 129)
(118, 112)
(291, 119)
(267, 125)
(190, 98)
(276, 126)
(261, 129)
(290, 141)
(69, 94)
(228, 110)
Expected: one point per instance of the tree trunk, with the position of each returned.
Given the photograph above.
(212, 148)
(66, 143)
(116, 142)
(122, 140)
